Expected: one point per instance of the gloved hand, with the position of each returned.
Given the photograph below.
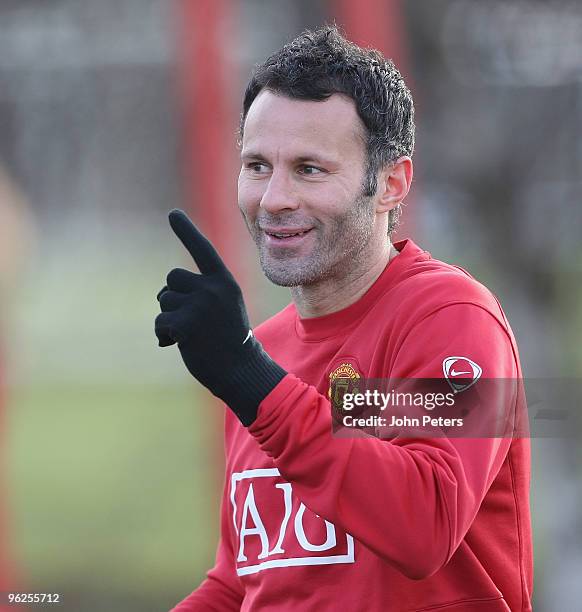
(206, 315)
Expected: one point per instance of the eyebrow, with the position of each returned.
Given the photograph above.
(314, 157)
(250, 155)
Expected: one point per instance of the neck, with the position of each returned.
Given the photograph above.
(333, 294)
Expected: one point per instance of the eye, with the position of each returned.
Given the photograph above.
(311, 170)
(257, 167)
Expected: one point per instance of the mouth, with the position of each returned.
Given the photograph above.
(286, 236)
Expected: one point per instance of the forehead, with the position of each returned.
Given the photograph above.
(285, 124)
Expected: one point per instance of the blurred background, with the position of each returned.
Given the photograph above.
(114, 112)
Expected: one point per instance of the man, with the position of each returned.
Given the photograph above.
(312, 521)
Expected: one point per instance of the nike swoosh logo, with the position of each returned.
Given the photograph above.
(249, 335)
(455, 373)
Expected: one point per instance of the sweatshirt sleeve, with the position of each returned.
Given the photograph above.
(409, 500)
(221, 591)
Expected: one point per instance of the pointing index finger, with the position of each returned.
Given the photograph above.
(201, 249)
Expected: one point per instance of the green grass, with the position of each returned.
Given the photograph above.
(113, 491)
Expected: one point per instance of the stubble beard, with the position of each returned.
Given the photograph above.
(339, 249)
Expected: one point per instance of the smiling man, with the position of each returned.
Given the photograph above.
(318, 226)
(312, 521)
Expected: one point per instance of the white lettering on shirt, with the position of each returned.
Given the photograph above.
(263, 505)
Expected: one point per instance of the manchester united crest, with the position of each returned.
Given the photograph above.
(343, 379)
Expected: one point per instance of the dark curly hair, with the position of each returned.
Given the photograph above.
(321, 62)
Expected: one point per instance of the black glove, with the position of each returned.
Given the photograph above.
(206, 315)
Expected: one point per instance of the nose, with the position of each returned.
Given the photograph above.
(279, 194)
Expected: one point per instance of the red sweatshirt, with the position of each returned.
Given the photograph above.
(314, 522)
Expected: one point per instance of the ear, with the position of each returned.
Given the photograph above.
(394, 183)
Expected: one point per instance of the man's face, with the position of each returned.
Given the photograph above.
(300, 187)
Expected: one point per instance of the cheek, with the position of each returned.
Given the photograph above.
(331, 202)
(249, 198)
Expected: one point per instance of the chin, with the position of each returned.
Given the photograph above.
(280, 278)
(293, 271)
(291, 277)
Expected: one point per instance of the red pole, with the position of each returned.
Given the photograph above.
(374, 23)
(209, 120)
(209, 117)
(10, 580)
